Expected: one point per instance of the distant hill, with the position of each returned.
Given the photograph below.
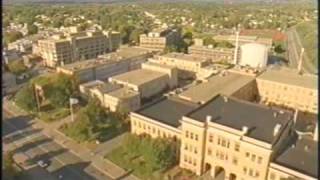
(150, 1)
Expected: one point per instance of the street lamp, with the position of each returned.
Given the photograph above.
(72, 102)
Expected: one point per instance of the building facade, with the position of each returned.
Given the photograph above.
(60, 50)
(217, 139)
(215, 54)
(159, 39)
(288, 88)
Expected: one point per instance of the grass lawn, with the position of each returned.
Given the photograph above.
(133, 162)
(50, 114)
(308, 36)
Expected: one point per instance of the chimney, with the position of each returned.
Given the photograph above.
(275, 114)
(225, 99)
(236, 48)
(245, 130)
(315, 134)
(276, 129)
(300, 61)
(295, 117)
(208, 119)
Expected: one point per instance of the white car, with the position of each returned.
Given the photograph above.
(42, 164)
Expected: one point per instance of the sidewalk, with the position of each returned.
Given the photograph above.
(102, 164)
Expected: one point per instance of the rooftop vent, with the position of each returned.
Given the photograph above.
(276, 129)
(245, 130)
(306, 148)
(208, 118)
(225, 99)
(275, 114)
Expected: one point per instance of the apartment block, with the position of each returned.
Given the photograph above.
(159, 39)
(286, 87)
(75, 46)
(123, 60)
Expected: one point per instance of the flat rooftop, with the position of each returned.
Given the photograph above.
(91, 84)
(139, 76)
(185, 57)
(306, 122)
(226, 50)
(217, 84)
(109, 58)
(123, 93)
(302, 157)
(168, 110)
(290, 77)
(235, 113)
(107, 87)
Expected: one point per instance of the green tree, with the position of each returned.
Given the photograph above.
(8, 167)
(17, 67)
(12, 36)
(25, 98)
(32, 29)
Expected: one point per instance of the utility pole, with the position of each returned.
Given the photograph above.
(300, 60)
(37, 97)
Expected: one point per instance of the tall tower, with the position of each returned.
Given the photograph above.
(236, 48)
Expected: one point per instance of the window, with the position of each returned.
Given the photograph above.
(195, 150)
(235, 161)
(191, 135)
(253, 157)
(250, 172)
(186, 147)
(272, 176)
(247, 154)
(196, 137)
(209, 151)
(237, 147)
(245, 170)
(185, 158)
(260, 160)
(219, 141)
(257, 174)
(187, 134)
(211, 138)
(194, 162)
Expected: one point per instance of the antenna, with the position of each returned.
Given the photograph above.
(236, 48)
(300, 61)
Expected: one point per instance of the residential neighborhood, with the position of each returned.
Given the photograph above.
(132, 90)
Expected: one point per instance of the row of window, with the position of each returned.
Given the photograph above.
(190, 148)
(223, 142)
(254, 158)
(287, 88)
(191, 135)
(251, 172)
(151, 130)
(190, 160)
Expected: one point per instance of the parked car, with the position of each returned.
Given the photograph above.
(43, 164)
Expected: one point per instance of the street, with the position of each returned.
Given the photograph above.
(19, 136)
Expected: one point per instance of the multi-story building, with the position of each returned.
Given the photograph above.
(107, 65)
(286, 87)
(244, 39)
(215, 54)
(183, 61)
(229, 137)
(159, 39)
(74, 46)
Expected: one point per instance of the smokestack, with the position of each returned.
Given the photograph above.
(208, 118)
(245, 130)
(315, 134)
(236, 48)
(300, 61)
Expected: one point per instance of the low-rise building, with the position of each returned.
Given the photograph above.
(183, 61)
(107, 65)
(215, 54)
(159, 39)
(227, 83)
(147, 82)
(286, 87)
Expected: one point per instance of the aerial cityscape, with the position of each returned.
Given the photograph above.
(160, 90)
